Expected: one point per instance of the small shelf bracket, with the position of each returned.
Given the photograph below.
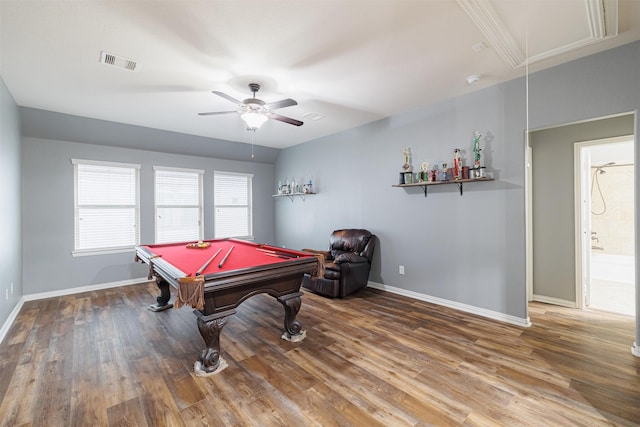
(424, 187)
(292, 196)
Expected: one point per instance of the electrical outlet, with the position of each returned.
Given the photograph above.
(401, 269)
(7, 294)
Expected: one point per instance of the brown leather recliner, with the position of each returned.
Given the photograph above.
(346, 264)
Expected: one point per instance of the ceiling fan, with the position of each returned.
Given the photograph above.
(255, 111)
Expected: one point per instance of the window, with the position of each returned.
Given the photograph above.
(107, 206)
(232, 197)
(178, 204)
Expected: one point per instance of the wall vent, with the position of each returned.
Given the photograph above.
(118, 61)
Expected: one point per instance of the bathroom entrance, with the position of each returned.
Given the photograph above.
(607, 215)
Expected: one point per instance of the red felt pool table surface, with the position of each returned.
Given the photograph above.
(244, 255)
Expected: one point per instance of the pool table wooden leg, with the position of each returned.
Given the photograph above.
(210, 361)
(162, 301)
(293, 329)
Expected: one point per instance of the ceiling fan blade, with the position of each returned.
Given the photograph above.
(227, 97)
(213, 113)
(281, 104)
(286, 119)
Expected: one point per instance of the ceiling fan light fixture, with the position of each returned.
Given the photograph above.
(253, 119)
(255, 111)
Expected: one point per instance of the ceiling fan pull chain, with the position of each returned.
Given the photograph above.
(252, 156)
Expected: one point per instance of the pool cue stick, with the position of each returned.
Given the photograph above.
(225, 257)
(267, 251)
(278, 256)
(206, 264)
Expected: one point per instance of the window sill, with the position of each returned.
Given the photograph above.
(91, 252)
(249, 238)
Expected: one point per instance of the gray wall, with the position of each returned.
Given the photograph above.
(10, 220)
(465, 249)
(468, 249)
(47, 210)
(553, 201)
(64, 127)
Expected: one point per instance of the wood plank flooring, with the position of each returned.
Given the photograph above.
(373, 359)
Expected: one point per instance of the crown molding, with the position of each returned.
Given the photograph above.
(487, 21)
(602, 21)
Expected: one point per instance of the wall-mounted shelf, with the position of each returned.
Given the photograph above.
(292, 196)
(426, 184)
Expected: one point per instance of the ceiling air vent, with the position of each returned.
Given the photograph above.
(118, 61)
(313, 116)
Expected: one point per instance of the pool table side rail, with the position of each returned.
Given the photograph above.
(268, 271)
(171, 273)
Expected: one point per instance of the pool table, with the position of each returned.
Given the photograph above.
(248, 269)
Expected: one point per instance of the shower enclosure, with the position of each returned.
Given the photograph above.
(611, 284)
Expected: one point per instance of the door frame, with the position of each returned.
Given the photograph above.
(529, 220)
(582, 212)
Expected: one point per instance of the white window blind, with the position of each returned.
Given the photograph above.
(178, 203)
(107, 207)
(233, 211)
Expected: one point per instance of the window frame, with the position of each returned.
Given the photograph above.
(200, 205)
(76, 209)
(249, 205)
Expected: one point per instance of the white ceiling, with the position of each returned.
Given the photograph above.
(350, 61)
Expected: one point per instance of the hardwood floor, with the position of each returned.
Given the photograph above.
(374, 359)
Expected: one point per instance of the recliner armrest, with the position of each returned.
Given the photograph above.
(349, 257)
(326, 254)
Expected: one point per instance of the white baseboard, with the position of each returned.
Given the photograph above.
(12, 317)
(518, 321)
(70, 291)
(554, 301)
(635, 350)
(81, 289)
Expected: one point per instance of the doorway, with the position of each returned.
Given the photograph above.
(554, 260)
(605, 218)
